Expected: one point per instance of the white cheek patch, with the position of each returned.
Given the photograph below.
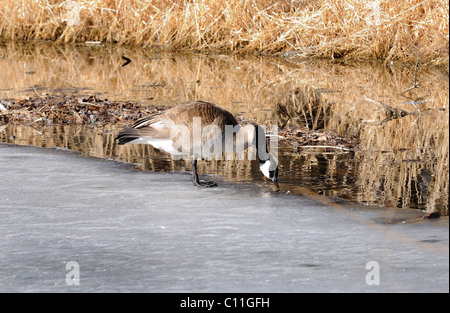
(265, 168)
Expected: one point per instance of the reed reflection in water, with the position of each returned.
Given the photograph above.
(400, 162)
(343, 175)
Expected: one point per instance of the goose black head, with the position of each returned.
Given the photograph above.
(267, 164)
(270, 169)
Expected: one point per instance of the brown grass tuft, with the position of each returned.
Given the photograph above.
(358, 29)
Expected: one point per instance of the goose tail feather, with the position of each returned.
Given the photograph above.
(127, 135)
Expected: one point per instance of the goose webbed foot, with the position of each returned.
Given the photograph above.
(205, 184)
(196, 180)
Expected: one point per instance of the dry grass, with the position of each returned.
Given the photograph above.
(358, 29)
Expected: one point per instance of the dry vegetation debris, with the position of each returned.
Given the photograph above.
(301, 138)
(70, 110)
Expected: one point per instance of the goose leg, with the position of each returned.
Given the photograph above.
(196, 179)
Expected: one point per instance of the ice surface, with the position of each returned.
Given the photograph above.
(133, 231)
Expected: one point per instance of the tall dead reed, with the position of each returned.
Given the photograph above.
(359, 29)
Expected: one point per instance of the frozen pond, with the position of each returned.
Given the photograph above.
(397, 162)
(140, 231)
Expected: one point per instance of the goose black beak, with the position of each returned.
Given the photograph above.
(275, 180)
(274, 176)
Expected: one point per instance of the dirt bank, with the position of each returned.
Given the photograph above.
(45, 110)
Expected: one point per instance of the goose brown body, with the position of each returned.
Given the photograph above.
(165, 131)
(166, 125)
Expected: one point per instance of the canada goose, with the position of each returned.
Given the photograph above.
(167, 131)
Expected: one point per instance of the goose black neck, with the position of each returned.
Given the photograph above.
(257, 142)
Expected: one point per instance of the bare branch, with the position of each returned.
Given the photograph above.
(415, 70)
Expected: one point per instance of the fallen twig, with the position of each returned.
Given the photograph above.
(391, 112)
(127, 61)
(331, 147)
